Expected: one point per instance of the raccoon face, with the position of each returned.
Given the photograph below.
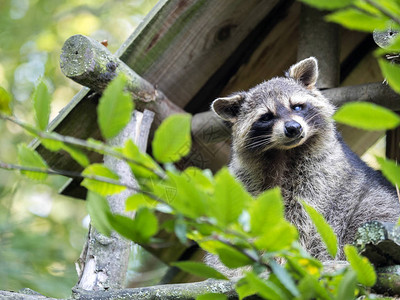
(282, 113)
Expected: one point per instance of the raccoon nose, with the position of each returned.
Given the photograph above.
(293, 129)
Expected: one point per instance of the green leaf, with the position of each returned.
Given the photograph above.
(52, 145)
(100, 187)
(140, 229)
(266, 211)
(77, 155)
(277, 238)
(285, 278)
(310, 288)
(138, 200)
(390, 170)
(115, 108)
(41, 104)
(145, 224)
(266, 289)
(200, 178)
(328, 4)
(145, 166)
(347, 286)
(361, 265)
(30, 158)
(5, 102)
(357, 20)
(391, 72)
(212, 296)
(99, 211)
(229, 198)
(232, 258)
(367, 116)
(182, 194)
(244, 289)
(199, 269)
(172, 140)
(323, 228)
(180, 229)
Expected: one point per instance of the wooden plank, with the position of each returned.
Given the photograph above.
(274, 55)
(190, 41)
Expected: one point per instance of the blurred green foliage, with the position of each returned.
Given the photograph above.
(41, 232)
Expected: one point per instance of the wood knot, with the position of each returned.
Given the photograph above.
(225, 32)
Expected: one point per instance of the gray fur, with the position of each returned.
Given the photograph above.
(317, 167)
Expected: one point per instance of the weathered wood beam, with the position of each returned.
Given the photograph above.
(320, 39)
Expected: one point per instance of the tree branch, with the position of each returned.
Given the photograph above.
(97, 146)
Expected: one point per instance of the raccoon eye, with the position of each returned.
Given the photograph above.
(298, 107)
(266, 117)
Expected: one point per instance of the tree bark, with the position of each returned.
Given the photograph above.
(104, 260)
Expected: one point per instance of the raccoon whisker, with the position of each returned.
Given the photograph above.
(258, 143)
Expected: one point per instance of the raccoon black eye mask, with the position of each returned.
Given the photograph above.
(283, 136)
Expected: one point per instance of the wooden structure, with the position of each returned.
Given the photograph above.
(189, 52)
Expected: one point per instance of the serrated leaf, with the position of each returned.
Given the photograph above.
(5, 102)
(100, 187)
(30, 158)
(355, 19)
(325, 231)
(99, 212)
(347, 286)
(365, 271)
(199, 269)
(115, 108)
(391, 72)
(229, 198)
(266, 211)
(390, 170)
(265, 289)
(232, 258)
(212, 296)
(41, 104)
(284, 277)
(367, 116)
(138, 200)
(172, 140)
(328, 4)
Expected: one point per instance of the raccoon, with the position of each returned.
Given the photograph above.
(283, 136)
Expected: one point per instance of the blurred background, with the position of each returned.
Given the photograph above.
(41, 232)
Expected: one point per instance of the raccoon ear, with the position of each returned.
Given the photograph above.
(305, 71)
(227, 108)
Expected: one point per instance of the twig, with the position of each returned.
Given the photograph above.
(8, 166)
(100, 147)
(383, 11)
